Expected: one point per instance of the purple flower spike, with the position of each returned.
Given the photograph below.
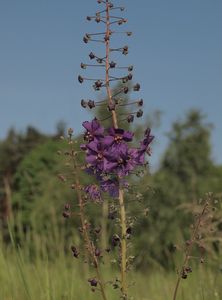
(93, 130)
(94, 193)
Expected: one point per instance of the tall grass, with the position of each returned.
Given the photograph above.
(39, 277)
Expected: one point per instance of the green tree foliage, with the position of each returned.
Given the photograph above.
(185, 174)
(12, 150)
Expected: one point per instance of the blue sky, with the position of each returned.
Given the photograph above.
(176, 49)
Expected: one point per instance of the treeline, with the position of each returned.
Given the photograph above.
(32, 198)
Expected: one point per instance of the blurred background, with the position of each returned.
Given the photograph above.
(176, 50)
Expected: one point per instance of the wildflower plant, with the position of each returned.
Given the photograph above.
(110, 154)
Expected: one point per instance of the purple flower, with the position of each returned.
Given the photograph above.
(148, 138)
(93, 191)
(110, 186)
(117, 136)
(93, 130)
(144, 146)
(124, 160)
(99, 157)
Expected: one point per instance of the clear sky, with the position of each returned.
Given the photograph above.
(176, 49)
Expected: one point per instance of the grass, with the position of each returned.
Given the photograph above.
(39, 279)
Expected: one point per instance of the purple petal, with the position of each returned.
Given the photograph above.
(87, 125)
(128, 136)
(91, 159)
(108, 140)
(93, 146)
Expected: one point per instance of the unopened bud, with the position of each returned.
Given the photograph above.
(91, 55)
(83, 103)
(80, 79)
(75, 252)
(83, 66)
(112, 64)
(91, 104)
(93, 282)
(136, 87)
(139, 113)
(130, 118)
(125, 90)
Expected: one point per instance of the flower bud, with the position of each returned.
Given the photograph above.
(80, 79)
(75, 252)
(97, 230)
(130, 68)
(83, 103)
(140, 102)
(85, 39)
(98, 84)
(130, 118)
(67, 206)
(130, 76)
(97, 252)
(111, 106)
(83, 66)
(139, 113)
(112, 64)
(99, 60)
(115, 240)
(92, 281)
(66, 214)
(106, 38)
(136, 87)
(125, 89)
(125, 50)
(91, 55)
(91, 104)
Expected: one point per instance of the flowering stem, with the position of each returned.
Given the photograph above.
(123, 244)
(89, 244)
(189, 248)
(90, 247)
(115, 125)
(108, 89)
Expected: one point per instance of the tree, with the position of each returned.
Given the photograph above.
(184, 176)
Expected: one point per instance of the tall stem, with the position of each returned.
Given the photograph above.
(108, 89)
(121, 195)
(89, 244)
(123, 244)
